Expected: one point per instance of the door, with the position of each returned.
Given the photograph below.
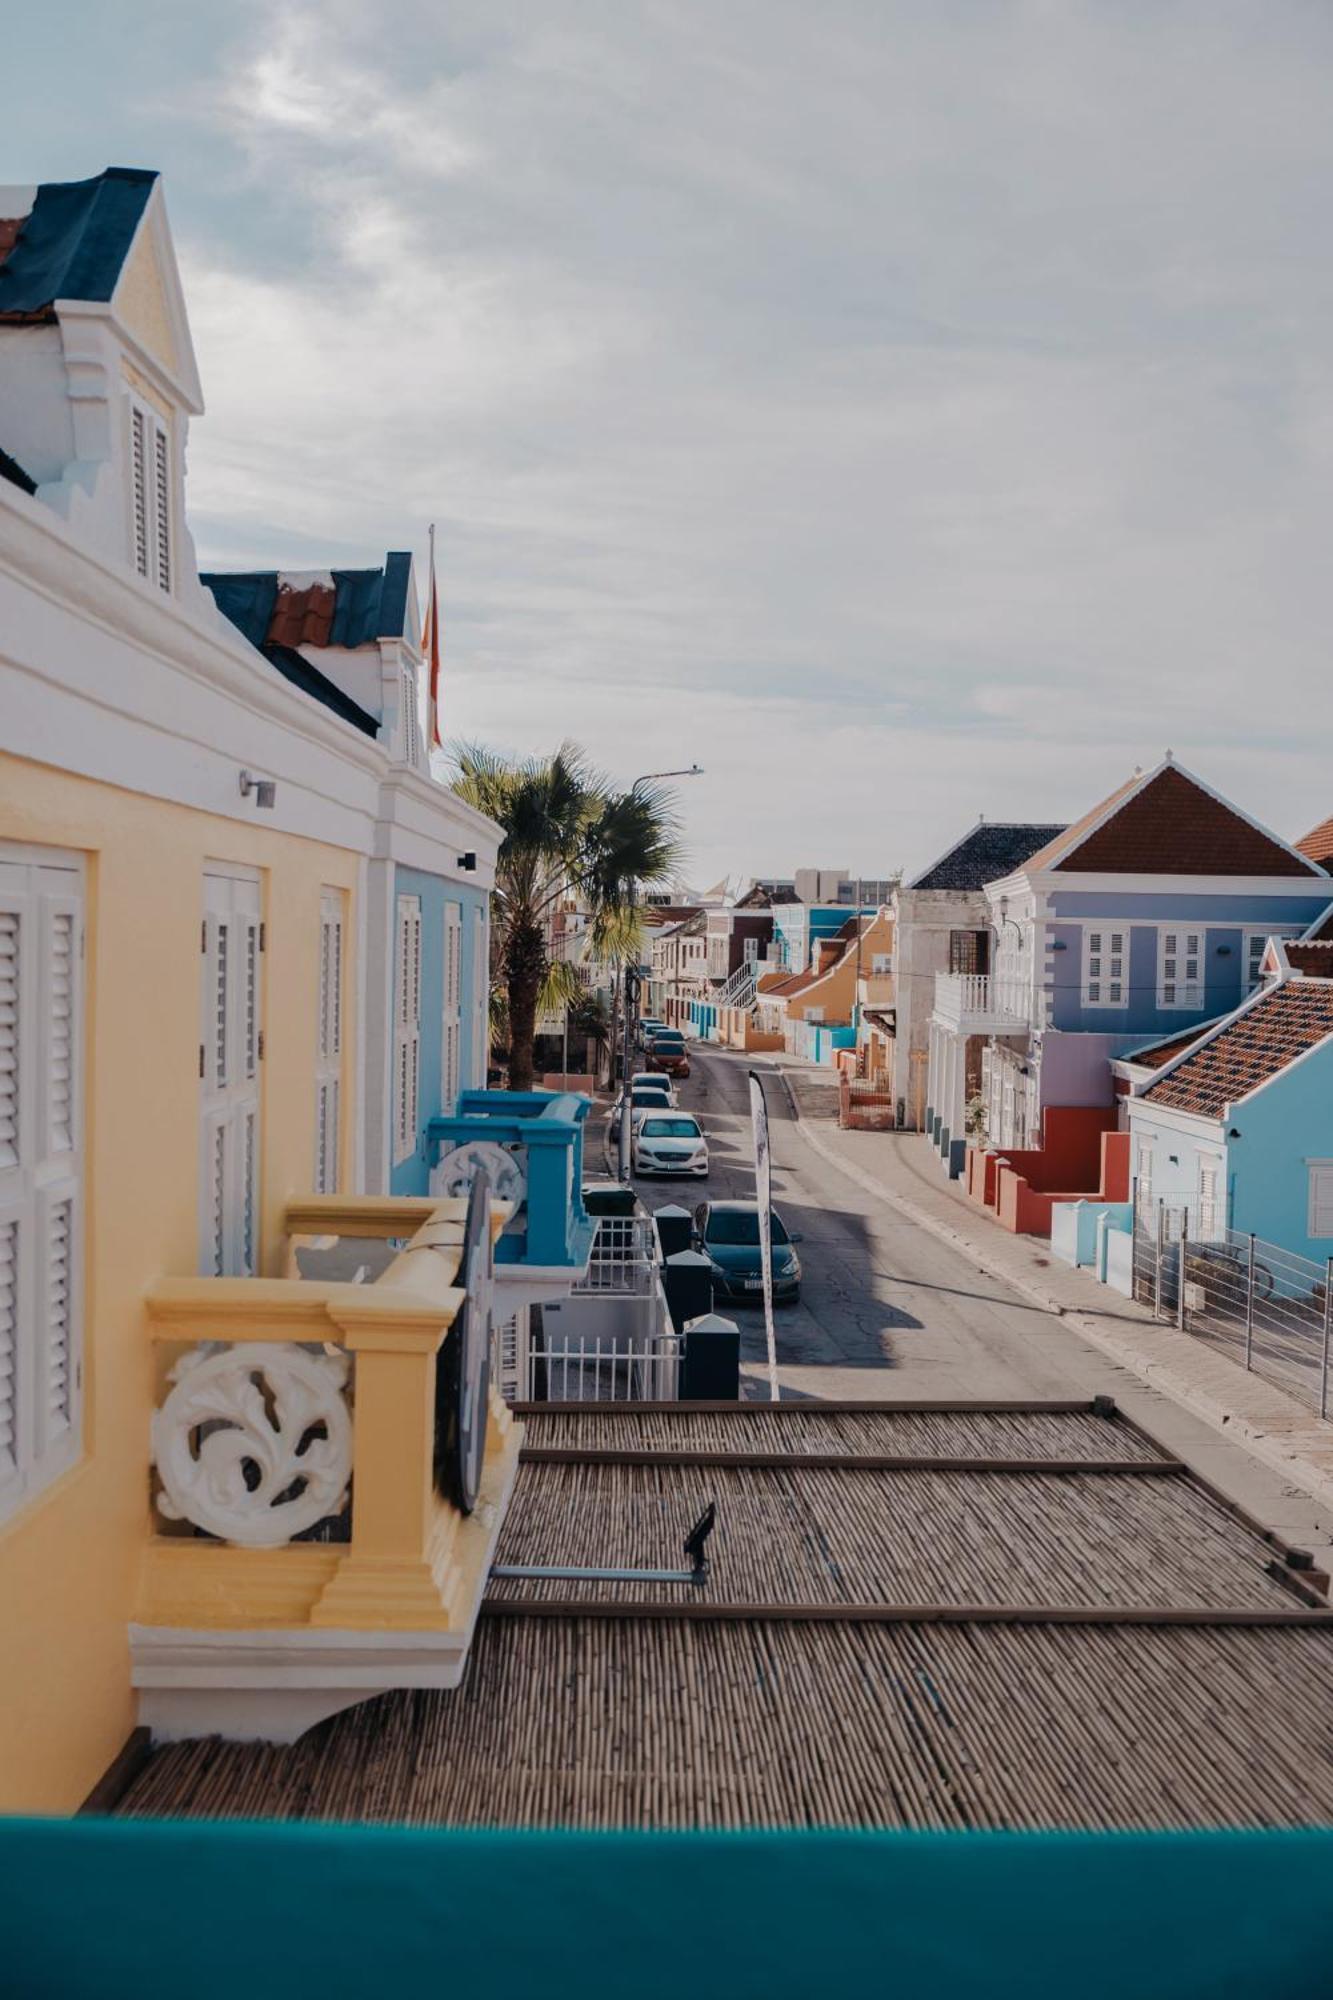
(231, 1048)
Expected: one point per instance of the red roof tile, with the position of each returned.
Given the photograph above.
(1287, 1022)
(1312, 957)
(1318, 842)
(1169, 824)
(302, 617)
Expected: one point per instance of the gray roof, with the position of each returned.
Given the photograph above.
(986, 854)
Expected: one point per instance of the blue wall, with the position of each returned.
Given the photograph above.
(1264, 1169)
(412, 1175)
(1223, 921)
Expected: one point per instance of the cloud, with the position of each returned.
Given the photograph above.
(907, 410)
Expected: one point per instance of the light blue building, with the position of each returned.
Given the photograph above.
(1151, 914)
(1236, 1131)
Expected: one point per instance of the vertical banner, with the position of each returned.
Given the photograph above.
(763, 1194)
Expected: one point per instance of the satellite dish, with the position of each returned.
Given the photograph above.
(463, 1368)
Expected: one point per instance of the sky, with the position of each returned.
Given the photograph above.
(907, 410)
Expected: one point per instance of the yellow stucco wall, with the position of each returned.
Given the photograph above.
(69, 1561)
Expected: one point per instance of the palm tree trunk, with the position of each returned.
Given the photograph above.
(525, 968)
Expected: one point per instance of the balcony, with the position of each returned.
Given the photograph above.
(531, 1145)
(975, 1003)
(314, 1541)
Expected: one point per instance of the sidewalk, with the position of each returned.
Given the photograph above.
(901, 1170)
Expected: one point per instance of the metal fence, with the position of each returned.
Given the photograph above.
(624, 1257)
(1264, 1306)
(599, 1370)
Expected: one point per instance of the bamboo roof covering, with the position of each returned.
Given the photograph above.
(903, 1626)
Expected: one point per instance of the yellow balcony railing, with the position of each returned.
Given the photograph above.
(293, 1394)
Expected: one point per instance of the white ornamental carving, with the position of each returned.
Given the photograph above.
(453, 1175)
(254, 1442)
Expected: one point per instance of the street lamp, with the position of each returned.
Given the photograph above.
(629, 991)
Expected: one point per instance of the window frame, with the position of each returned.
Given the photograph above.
(1182, 1004)
(329, 1038)
(1108, 929)
(1315, 1171)
(151, 465)
(46, 1173)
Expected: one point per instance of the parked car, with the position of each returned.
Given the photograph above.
(669, 1142)
(666, 1052)
(641, 1103)
(645, 1080)
(647, 1028)
(728, 1234)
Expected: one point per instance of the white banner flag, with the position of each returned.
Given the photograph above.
(763, 1194)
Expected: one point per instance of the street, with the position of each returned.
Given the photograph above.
(878, 1293)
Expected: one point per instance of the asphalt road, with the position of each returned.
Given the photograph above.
(878, 1293)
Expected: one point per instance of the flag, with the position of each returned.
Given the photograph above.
(763, 1194)
(430, 646)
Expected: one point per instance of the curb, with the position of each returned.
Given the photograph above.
(1158, 1375)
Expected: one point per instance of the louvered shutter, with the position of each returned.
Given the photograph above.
(328, 1066)
(162, 505)
(407, 1026)
(450, 1079)
(41, 990)
(1320, 1219)
(139, 501)
(231, 1044)
(411, 719)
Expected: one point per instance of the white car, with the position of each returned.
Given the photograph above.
(669, 1142)
(649, 1079)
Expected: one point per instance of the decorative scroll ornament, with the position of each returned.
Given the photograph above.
(254, 1442)
(504, 1170)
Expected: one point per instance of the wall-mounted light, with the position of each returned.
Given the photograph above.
(1234, 1132)
(264, 789)
(1174, 1159)
(468, 862)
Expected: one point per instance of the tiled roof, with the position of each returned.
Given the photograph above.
(1169, 824)
(1313, 957)
(987, 854)
(1259, 1043)
(1318, 842)
(1156, 1054)
(73, 242)
(339, 607)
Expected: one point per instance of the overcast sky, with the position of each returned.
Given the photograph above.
(910, 409)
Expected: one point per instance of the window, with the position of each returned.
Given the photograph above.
(329, 1043)
(411, 718)
(407, 1028)
(41, 1056)
(450, 1079)
(969, 951)
(150, 495)
(1105, 968)
(1210, 1209)
(751, 951)
(481, 1000)
(231, 1048)
(1144, 1176)
(1179, 968)
(1319, 1221)
(881, 964)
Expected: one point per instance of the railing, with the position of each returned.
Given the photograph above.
(1265, 1306)
(624, 1257)
(602, 1370)
(976, 996)
(739, 990)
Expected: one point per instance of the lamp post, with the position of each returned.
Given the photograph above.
(629, 988)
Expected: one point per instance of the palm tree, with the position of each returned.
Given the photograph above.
(566, 832)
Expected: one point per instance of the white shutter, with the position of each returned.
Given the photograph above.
(41, 993)
(1180, 969)
(231, 1048)
(150, 495)
(411, 719)
(450, 1079)
(328, 1064)
(139, 487)
(481, 1001)
(407, 1027)
(1320, 1218)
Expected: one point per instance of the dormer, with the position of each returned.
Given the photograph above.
(97, 371)
(346, 637)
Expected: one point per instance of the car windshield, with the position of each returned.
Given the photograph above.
(741, 1226)
(670, 1128)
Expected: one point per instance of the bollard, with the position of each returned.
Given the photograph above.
(687, 1280)
(712, 1367)
(675, 1228)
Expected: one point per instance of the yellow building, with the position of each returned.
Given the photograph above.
(183, 988)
